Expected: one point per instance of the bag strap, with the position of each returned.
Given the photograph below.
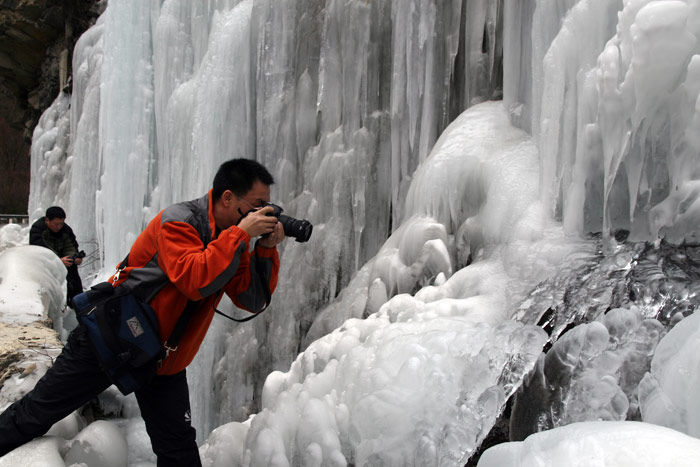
(172, 342)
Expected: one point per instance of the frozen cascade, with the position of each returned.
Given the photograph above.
(50, 157)
(125, 125)
(614, 110)
(85, 142)
(428, 238)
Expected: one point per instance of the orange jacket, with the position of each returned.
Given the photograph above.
(178, 258)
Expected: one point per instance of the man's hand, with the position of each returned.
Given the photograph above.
(67, 261)
(275, 237)
(78, 261)
(258, 222)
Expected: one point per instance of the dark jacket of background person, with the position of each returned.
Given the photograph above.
(63, 243)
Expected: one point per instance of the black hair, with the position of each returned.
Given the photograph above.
(238, 175)
(55, 212)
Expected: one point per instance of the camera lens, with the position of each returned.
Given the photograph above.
(299, 229)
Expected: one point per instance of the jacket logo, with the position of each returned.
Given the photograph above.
(134, 326)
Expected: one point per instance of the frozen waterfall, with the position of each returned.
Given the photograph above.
(447, 222)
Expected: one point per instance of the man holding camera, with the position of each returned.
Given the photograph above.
(186, 258)
(52, 232)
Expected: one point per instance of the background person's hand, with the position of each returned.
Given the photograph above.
(257, 223)
(67, 260)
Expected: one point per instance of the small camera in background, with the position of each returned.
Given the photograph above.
(78, 255)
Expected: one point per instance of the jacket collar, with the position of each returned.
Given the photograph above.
(210, 211)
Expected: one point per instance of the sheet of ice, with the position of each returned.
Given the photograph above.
(666, 394)
(592, 372)
(84, 147)
(604, 444)
(636, 107)
(203, 102)
(13, 235)
(49, 153)
(124, 412)
(518, 62)
(371, 392)
(43, 451)
(126, 127)
(32, 285)
(99, 444)
(563, 82)
(217, 452)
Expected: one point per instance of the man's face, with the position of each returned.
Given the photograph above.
(257, 197)
(55, 224)
(236, 207)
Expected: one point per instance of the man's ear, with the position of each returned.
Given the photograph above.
(227, 197)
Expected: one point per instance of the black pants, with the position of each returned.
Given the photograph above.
(74, 283)
(75, 378)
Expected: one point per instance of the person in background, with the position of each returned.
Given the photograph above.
(52, 232)
(191, 252)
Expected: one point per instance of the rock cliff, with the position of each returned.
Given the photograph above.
(36, 44)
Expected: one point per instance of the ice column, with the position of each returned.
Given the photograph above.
(126, 127)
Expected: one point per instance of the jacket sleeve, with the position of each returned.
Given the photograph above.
(259, 271)
(67, 247)
(197, 271)
(35, 233)
(71, 235)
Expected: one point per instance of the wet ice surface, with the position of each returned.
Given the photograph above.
(659, 279)
(605, 319)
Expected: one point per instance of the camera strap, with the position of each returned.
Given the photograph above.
(268, 297)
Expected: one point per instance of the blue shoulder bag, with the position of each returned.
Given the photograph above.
(123, 332)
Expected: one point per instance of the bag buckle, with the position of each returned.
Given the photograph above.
(120, 268)
(168, 349)
(115, 279)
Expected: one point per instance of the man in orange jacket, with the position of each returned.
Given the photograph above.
(190, 252)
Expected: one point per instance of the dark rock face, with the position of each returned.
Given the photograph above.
(36, 44)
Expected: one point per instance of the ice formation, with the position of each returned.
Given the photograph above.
(438, 217)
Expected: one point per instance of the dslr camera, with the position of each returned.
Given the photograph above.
(299, 229)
